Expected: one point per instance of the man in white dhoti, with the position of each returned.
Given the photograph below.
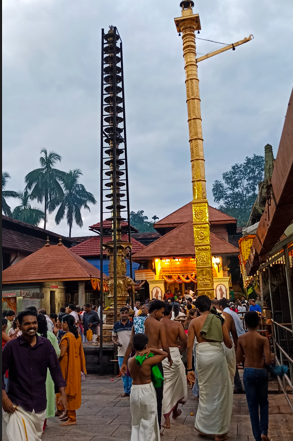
(175, 384)
(143, 400)
(28, 357)
(215, 388)
(229, 353)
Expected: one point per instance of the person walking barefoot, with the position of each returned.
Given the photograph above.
(175, 384)
(143, 403)
(254, 351)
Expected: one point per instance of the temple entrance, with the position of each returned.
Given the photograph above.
(52, 302)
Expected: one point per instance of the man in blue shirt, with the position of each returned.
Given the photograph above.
(121, 335)
(254, 306)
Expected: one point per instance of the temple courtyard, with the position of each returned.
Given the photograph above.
(105, 416)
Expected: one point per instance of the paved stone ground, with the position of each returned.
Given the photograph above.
(105, 416)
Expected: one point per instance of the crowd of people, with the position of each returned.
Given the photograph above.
(166, 346)
(210, 337)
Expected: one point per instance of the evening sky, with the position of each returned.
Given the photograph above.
(51, 91)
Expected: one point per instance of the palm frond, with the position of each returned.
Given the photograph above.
(77, 216)
(9, 194)
(5, 207)
(60, 213)
(5, 176)
(33, 177)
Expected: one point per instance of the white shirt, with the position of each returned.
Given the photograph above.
(50, 324)
(75, 315)
(237, 321)
(136, 311)
(242, 308)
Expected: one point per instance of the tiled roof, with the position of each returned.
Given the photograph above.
(78, 239)
(31, 230)
(179, 242)
(14, 240)
(184, 214)
(53, 262)
(91, 247)
(153, 235)
(108, 224)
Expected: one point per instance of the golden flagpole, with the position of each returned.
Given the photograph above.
(187, 24)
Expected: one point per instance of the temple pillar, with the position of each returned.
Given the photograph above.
(81, 294)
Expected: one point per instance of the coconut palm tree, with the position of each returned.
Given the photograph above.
(155, 217)
(45, 181)
(25, 213)
(75, 198)
(6, 194)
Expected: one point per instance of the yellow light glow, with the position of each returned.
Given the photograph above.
(158, 265)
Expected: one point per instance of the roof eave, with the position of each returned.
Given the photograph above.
(79, 279)
(135, 258)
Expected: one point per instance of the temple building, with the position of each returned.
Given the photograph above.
(266, 251)
(49, 278)
(20, 239)
(90, 248)
(169, 262)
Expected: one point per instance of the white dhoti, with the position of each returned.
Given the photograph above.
(230, 355)
(215, 405)
(143, 407)
(23, 425)
(175, 383)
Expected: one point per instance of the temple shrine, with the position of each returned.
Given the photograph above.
(49, 278)
(169, 262)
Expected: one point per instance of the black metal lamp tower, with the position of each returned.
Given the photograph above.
(114, 188)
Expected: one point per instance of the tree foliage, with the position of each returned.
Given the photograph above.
(238, 189)
(45, 182)
(75, 197)
(140, 221)
(6, 194)
(25, 213)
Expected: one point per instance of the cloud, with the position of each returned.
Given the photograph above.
(51, 91)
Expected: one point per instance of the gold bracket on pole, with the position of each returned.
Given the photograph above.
(224, 49)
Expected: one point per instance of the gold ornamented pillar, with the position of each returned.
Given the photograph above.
(123, 282)
(187, 24)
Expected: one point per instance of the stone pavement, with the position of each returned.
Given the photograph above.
(105, 416)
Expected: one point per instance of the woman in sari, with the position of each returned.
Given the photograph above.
(72, 363)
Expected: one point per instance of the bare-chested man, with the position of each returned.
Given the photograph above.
(254, 351)
(175, 384)
(216, 391)
(156, 334)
